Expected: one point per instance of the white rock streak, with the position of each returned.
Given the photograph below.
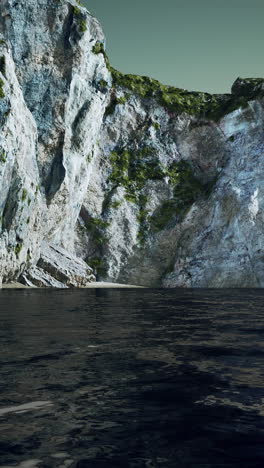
(253, 206)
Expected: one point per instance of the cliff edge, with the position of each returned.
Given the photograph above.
(118, 177)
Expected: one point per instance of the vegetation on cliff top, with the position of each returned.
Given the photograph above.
(210, 106)
(132, 168)
(82, 20)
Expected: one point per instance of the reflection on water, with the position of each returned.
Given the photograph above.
(132, 378)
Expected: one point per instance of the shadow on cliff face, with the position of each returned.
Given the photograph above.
(55, 177)
(11, 206)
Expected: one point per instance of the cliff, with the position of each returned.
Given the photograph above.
(145, 183)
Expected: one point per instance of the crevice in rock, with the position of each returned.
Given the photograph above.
(55, 177)
(11, 207)
(67, 28)
(80, 116)
(84, 215)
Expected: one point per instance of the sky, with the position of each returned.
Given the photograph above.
(185, 43)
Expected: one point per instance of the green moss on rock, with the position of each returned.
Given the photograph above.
(156, 125)
(82, 24)
(3, 157)
(98, 48)
(108, 203)
(122, 100)
(17, 249)
(178, 100)
(210, 106)
(115, 204)
(163, 215)
(131, 169)
(187, 189)
(2, 94)
(96, 227)
(24, 194)
(114, 101)
(76, 11)
(174, 99)
(97, 264)
(103, 85)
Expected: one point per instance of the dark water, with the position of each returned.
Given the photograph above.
(132, 378)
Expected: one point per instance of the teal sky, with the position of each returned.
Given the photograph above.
(189, 44)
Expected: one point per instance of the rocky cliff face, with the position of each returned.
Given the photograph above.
(52, 103)
(145, 183)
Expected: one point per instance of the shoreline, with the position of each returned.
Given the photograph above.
(93, 285)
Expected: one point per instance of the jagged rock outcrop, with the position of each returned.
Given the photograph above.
(177, 195)
(58, 268)
(51, 108)
(148, 184)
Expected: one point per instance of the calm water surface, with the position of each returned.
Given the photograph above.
(132, 378)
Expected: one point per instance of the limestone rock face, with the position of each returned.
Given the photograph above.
(21, 207)
(202, 228)
(53, 92)
(37, 277)
(58, 268)
(147, 184)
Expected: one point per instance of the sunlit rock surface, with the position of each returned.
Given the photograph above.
(146, 184)
(58, 268)
(51, 108)
(212, 238)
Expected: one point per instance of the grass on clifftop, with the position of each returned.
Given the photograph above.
(82, 20)
(210, 106)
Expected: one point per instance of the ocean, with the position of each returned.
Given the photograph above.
(132, 378)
